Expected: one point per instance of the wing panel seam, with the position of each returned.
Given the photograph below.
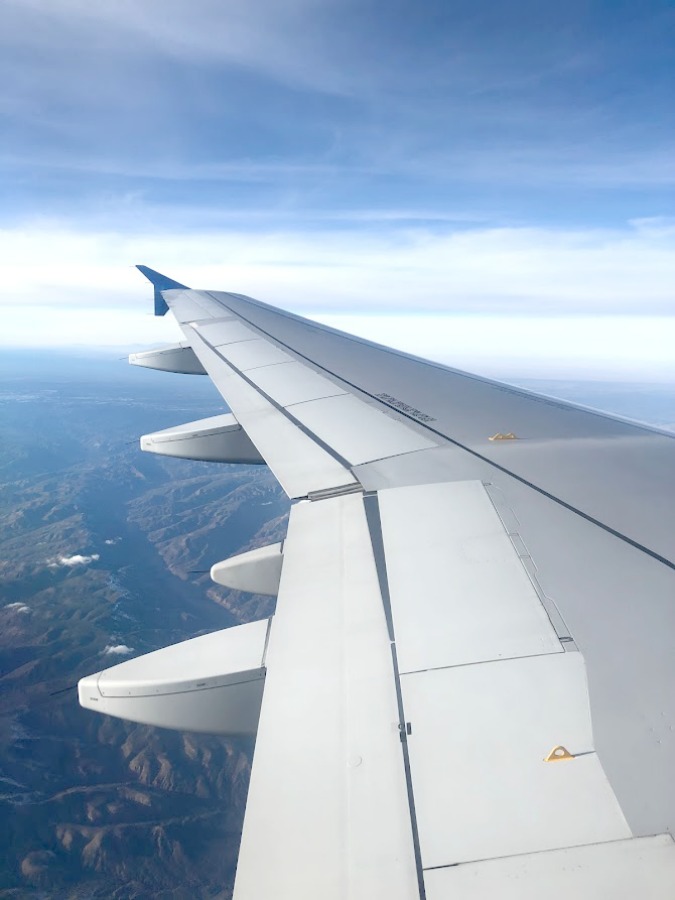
(482, 662)
(313, 437)
(470, 376)
(373, 521)
(608, 528)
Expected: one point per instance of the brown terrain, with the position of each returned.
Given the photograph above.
(104, 553)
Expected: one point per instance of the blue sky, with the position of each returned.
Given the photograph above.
(484, 163)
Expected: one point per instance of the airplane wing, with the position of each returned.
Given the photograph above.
(467, 689)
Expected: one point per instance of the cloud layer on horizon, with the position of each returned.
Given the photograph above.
(335, 156)
(525, 270)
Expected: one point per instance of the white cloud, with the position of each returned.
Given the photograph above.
(18, 607)
(118, 650)
(76, 560)
(561, 298)
(479, 270)
(634, 348)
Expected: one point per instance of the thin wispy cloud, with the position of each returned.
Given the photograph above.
(207, 90)
(254, 172)
(335, 156)
(18, 607)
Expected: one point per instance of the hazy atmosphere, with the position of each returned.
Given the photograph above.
(490, 184)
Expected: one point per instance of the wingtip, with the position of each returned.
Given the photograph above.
(160, 283)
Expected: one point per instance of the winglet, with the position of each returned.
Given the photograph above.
(160, 283)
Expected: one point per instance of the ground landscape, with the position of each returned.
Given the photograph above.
(98, 549)
(104, 553)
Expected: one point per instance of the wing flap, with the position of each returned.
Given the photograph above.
(480, 736)
(620, 870)
(459, 591)
(327, 812)
(487, 687)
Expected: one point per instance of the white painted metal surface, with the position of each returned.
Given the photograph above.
(327, 814)
(222, 332)
(186, 305)
(211, 683)
(480, 734)
(216, 439)
(459, 592)
(358, 431)
(211, 306)
(247, 355)
(256, 571)
(638, 869)
(178, 358)
(204, 303)
(293, 382)
(315, 828)
(297, 461)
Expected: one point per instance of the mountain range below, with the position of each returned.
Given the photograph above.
(104, 554)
